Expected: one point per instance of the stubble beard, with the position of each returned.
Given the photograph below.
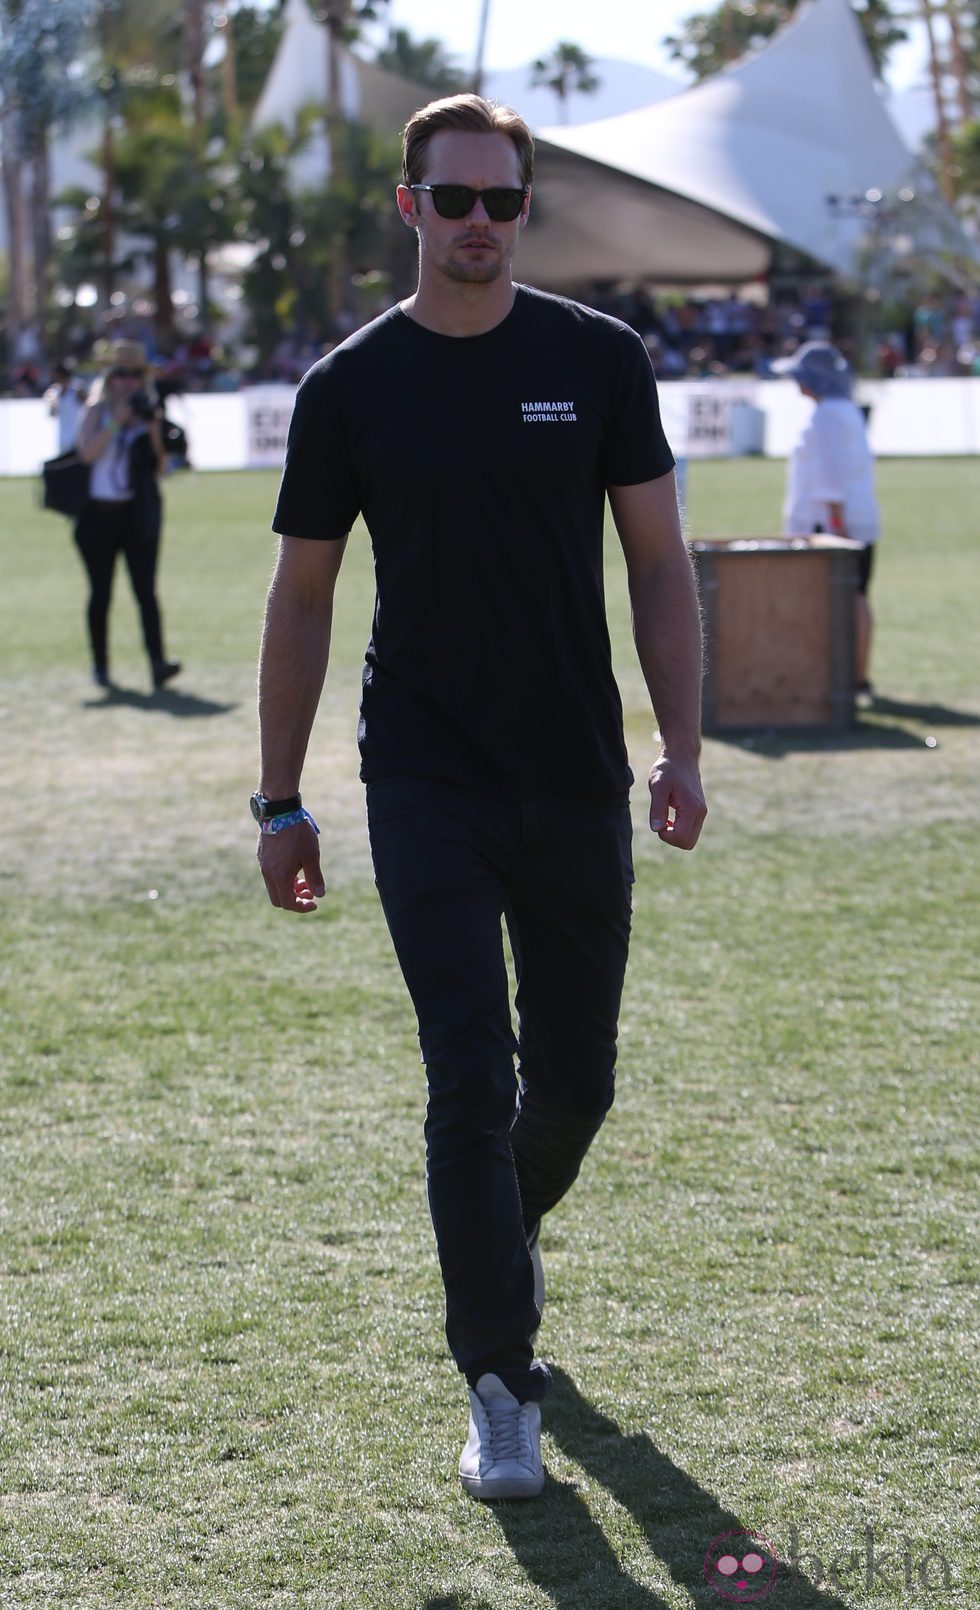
(473, 273)
(462, 270)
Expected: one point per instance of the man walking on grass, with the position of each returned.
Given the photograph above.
(478, 427)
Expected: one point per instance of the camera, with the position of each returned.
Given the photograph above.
(141, 406)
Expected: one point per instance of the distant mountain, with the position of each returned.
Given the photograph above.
(623, 86)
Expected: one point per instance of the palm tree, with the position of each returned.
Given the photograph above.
(38, 42)
(567, 71)
(342, 20)
(139, 42)
(710, 40)
(422, 60)
(272, 218)
(251, 35)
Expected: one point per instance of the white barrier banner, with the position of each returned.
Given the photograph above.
(268, 412)
(229, 430)
(713, 414)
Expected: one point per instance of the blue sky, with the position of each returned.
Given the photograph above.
(519, 30)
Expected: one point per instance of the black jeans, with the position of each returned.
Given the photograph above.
(500, 1152)
(105, 530)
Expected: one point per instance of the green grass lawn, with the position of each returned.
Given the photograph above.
(223, 1378)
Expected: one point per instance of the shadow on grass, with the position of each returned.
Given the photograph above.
(562, 1549)
(167, 701)
(934, 715)
(452, 1603)
(873, 732)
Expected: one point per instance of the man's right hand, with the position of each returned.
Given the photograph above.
(290, 865)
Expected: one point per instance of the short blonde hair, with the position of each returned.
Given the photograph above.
(471, 114)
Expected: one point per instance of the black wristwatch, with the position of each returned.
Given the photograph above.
(265, 809)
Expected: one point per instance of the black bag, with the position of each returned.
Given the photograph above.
(175, 445)
(65, 480)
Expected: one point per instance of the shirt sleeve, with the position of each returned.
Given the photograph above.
(635, 448)
(318, 494)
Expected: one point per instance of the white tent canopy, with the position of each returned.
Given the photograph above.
(589, 219)
(298, 75)
(694, 188)
(770, 140)
(591, 222)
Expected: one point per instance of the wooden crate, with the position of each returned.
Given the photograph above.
(779, 631)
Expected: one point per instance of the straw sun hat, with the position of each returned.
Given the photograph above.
(124, 355)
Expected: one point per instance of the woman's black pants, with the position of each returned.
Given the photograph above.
(104, 530)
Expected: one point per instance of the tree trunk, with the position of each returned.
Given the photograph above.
(336, 15)
(13, 189)
(229, 78)
(163, 319)
(481, 45)
(961, 67)
(41, 208)
(203, 287)
(194, 66)
(111, 88)
(730, 48)
(944, 149)
(194, 62)
(108, 211)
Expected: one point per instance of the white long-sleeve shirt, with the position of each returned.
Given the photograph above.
(832, 463)
(67, 406)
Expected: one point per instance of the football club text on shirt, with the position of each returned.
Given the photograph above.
(548, 413)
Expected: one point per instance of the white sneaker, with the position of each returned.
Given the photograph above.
(502, 1457)
(534, 1248)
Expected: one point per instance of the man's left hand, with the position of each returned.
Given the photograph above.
(677, 807)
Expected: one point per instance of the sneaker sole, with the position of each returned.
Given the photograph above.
(506, 1487)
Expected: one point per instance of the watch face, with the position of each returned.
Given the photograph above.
(257, 803)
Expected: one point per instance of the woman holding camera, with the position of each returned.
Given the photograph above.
(120, 437)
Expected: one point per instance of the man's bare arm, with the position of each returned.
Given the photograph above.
(667, 633)
(292, 666)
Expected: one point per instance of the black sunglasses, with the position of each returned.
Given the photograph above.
(458, 201)
(128, 374)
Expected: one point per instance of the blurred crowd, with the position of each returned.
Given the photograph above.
(195, 365)
(696, 338)
(942, 338)
(693, 337)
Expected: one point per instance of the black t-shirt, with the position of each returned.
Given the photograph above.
(480, 466)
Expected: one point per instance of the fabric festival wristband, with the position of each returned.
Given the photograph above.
(276, 824)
